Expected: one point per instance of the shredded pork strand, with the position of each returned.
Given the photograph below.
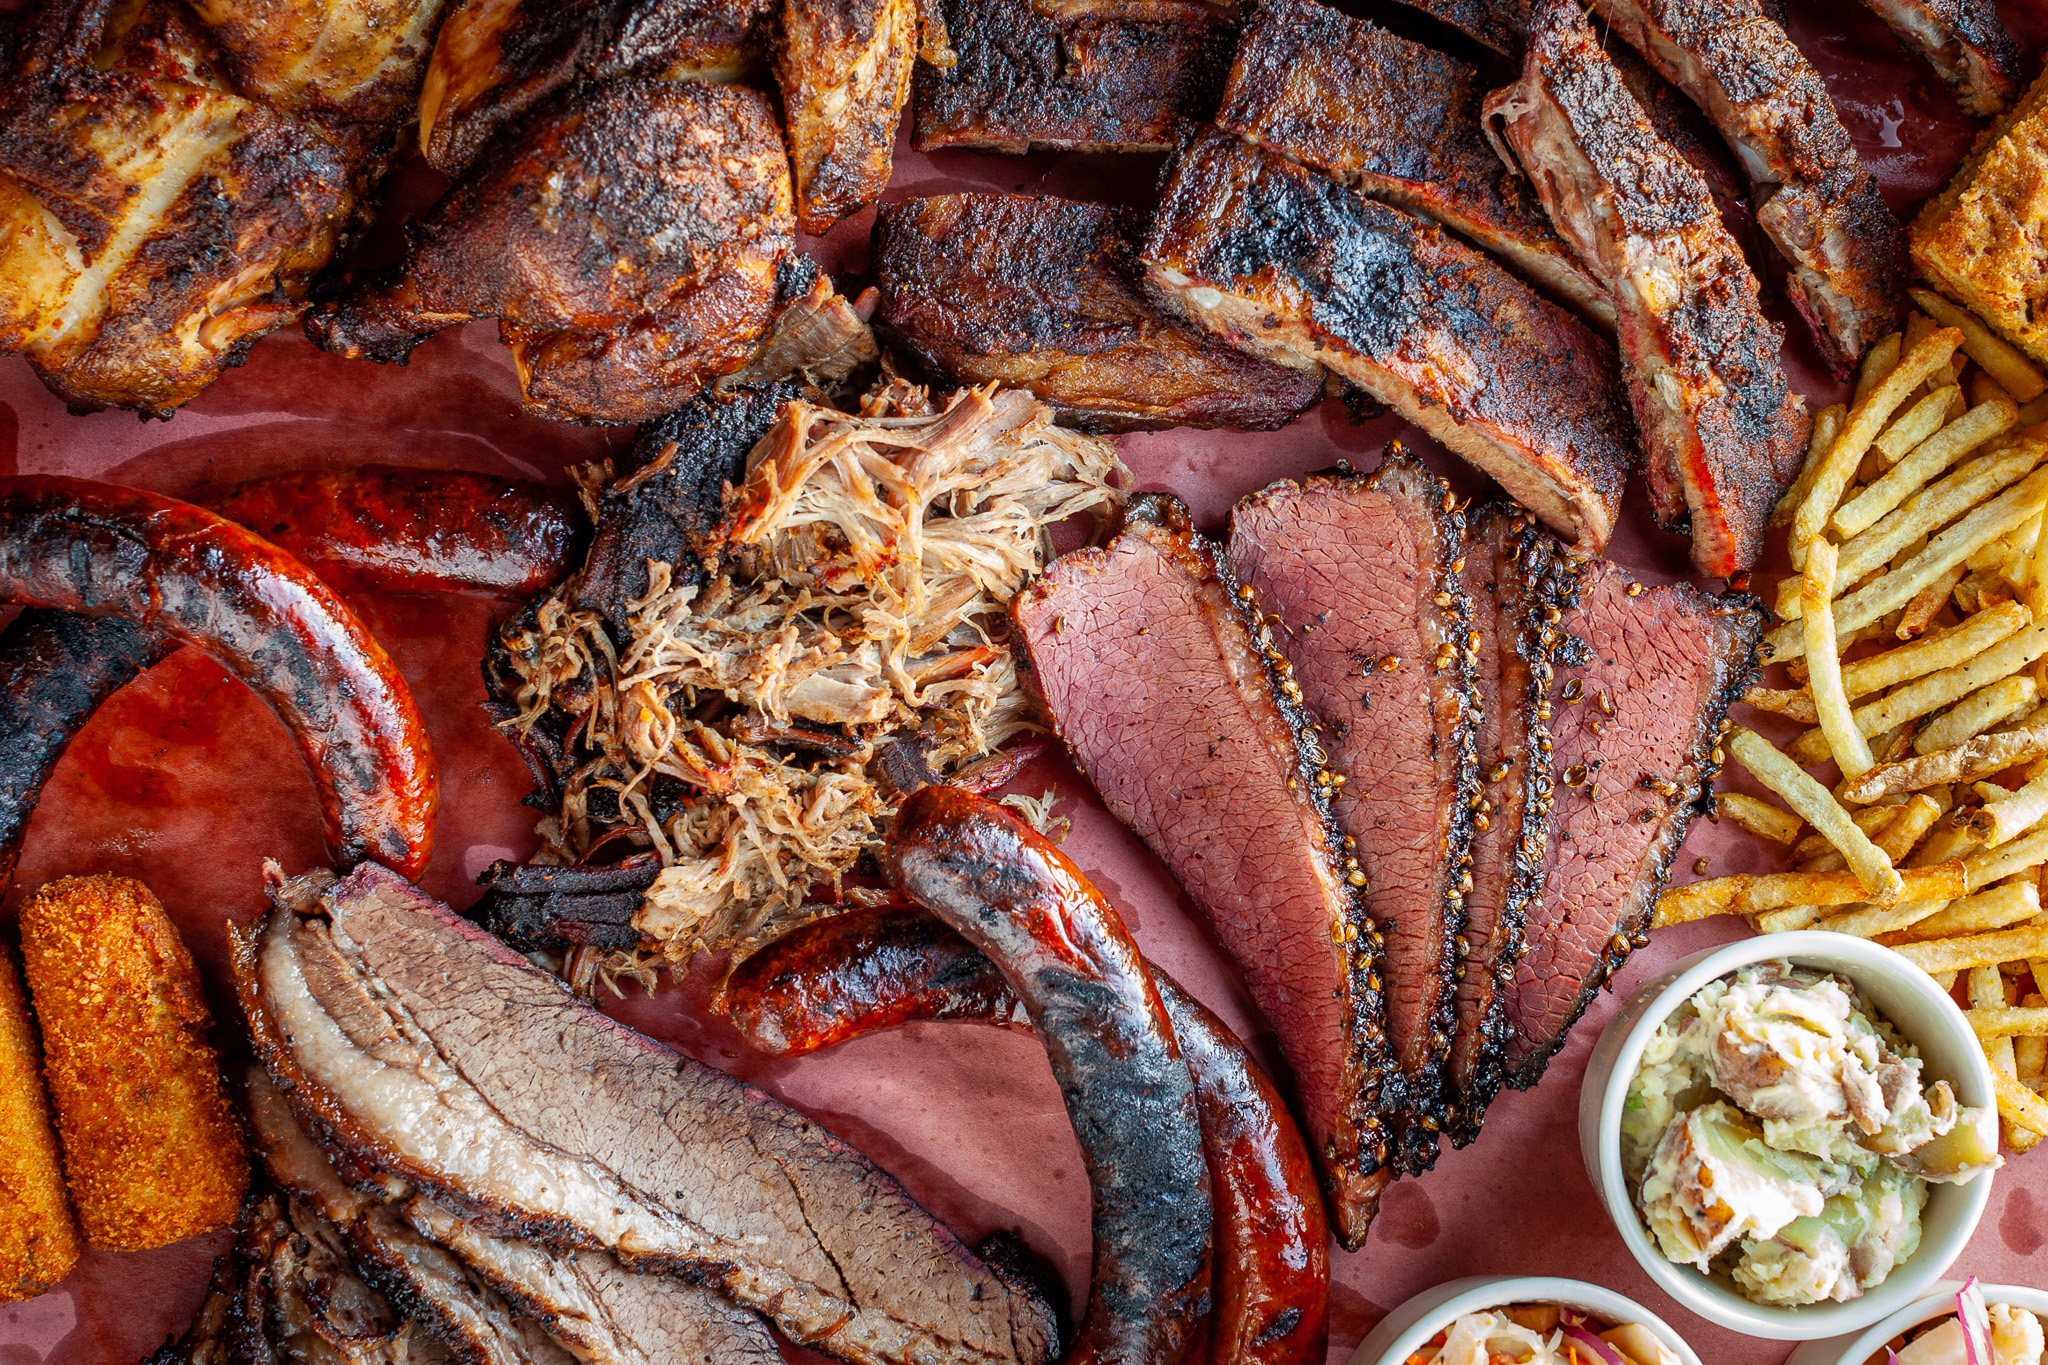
(860, 595)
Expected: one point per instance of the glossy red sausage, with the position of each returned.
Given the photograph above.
(412, 530)
(183, 572)
(870, 970)
(1065, 953)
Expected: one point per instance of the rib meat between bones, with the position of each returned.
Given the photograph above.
(1966, 45)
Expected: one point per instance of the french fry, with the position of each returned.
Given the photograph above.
(1918, 325)
(1927, 416)
(1793, 703)
(1999, 907)
(1824, 668)
(1866, 420)
(2005, 818)
(2019, 1104)
(2030, 1050)
(1810, 800)
(1923, 695)
(2034, 411)
(1978, 950)
(2036, 593)
(1827, 424)
(2001, 361)
(1760, 818)
(1978, 757)
(1927, 604)
(1879, 361)
(1943, 552)
(1925, 511)
(2012, 1021)
(1924, 463)
(1984, 389)
(1976, 713)
(1761, 891)
(1996, 864)
(1872, 820)
(1915, 818)
(1987, 991)
(1791, 918)
(1694, 901)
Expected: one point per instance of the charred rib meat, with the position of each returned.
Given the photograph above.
(1108, 76)
(1043, 294)
(1966, 45)
(1724, 432)
(844, 67)
(1292, 266)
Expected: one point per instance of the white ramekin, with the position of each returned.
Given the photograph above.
(1402, 1332)
(1857, 1349)
(1921, 1011)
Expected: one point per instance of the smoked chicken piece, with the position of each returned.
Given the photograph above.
(1644, 678)
(1044, 294)
(333, 62)
(1398, 122)
(1815, 199)
(1081, 75)
(1289, 265)
(844, 67)
(1723, 432)
(1966, 45)
(153, 223)
(627, 241)
(495, 59)
(1512, 588)
(1210, 759)
(1373, 622)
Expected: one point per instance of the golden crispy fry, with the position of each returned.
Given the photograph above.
(1987, 991)
(1760, 818)
(1927, 604)
(1978, 950)
(1976, 713)
(1928, 415)
(1827, 424)
(1819, 809)
(1759, 891)
(1984, 389)
(1823, 667)
(2030, 1050)
(2002, 362)
(2036, 594)
(1996, 864)
(1694, 901)
(1944, 552)
(2019, 1104)
(1923, 463)
(1930, 693)
(1790, 918)
(1793, 703)
(2005, 818)
(1976, 758)
(1944, 650)
(1999, 907)
(2034, 412)
(1873, 820)
(1867, 418)
(1880, 360)
(151, 1152)
(1915, 818)
(1925, 511)
(2016, 1021)
(38, 1240)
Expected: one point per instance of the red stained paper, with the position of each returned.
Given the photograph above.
(185, 781)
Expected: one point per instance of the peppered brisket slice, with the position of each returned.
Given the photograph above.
(1043, 294)
(1514, 593)
(1356, 572)
(1290, 265)
(1723, 431)
(1096, 76)
(1644, 678)
(1207, 756)
(1397, 121)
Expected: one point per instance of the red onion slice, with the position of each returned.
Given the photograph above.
(1605, 1353)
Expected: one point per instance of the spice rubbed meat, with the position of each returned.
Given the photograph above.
(1208, 757)
(1043, 294)
(1358, 577)
(1292, 266)
(1724, 432)
(1966, 45)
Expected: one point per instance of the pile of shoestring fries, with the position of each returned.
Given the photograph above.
(1915, 634)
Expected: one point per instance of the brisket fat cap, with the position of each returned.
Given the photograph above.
(1515, 591)
(1209, 758)
(430, 1051)
(1359, 573)
(1644, 680)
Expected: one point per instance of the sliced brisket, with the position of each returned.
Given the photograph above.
(1513, 590)
(1043, 294)
(1356, 575)
(1288, 264)
(1208, 757)
(1397, 121)
(412, 1041)
(1644, 678)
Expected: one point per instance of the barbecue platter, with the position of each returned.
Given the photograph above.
(890, 546)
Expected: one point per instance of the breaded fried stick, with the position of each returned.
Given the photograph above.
(151, 1151)
(38, 1240)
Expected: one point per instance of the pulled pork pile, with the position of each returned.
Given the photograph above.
(752, 724)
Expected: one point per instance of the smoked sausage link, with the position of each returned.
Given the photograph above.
(184, 573)
(1065, 953)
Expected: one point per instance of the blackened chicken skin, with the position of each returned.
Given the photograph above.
(332, 63)
(1724, 433)
(844, 67)
(1966, 45)
(648, 272)
(1044, 294)
(1815, 199)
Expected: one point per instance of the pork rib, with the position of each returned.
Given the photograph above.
(1513, 588)
(1209, 759)
(419, 1045)
(1815, 199)
(1723, 431)
(1399, 122)
(1644, 678)
(1373, 622)
(1290, 265)
(1043, 294)
(1966, 45)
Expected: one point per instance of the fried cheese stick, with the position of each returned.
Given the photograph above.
(38, 1240)
(152, 1153)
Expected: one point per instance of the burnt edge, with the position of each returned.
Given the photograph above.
(1738, 665)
